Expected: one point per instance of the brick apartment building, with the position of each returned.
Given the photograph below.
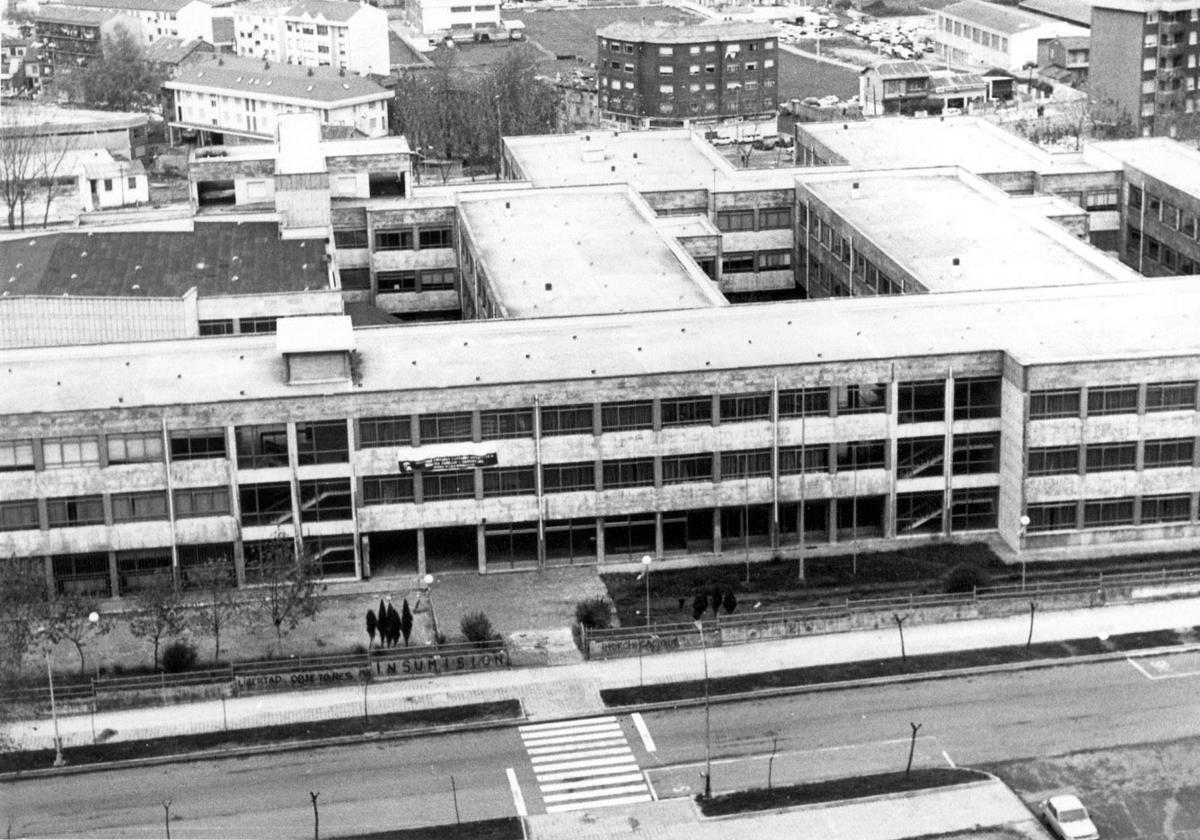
(671, 74)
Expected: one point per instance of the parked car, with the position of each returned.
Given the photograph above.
(1066, 817)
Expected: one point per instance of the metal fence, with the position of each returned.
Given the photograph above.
(233, 680)
(738, 628)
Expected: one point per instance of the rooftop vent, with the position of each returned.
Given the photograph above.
(954, 261)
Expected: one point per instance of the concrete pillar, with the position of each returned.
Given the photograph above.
(422, 570)
(481, 541)
(599, 540)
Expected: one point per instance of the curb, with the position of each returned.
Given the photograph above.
(868, 682)
(264, 749)
(763, 693)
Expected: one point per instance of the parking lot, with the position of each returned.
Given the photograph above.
(1143, 791)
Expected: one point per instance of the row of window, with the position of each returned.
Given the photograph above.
(692, 49)
(1113, 399)
(398, 239)
(327, 441)
(746, 262)
(145, 506)
(1107, 457)
(422, 280)
(768, 218)
(239, 326)
(1110, 513)
(1151, 250)
(991, 40)
(1161, 210)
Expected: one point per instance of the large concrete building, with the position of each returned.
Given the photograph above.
(965, 361)
(1142, 65)
(314, 33)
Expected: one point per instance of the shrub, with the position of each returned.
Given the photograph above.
(966, 577)
(594, 613)
(477, 628)
(178, 657)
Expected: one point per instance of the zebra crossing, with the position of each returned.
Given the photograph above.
(584, 763)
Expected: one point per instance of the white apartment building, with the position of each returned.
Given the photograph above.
(459, 19)
(974, 33)
(150, 20)
(315, 33)
(230, 100)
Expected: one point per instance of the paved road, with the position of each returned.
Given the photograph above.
(406, 783)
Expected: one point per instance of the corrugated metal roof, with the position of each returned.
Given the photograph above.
(288, 81)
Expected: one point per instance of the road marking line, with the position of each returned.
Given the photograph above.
(569, 739)
(640, 725)
(518, 799)
(1141, 670)
(600, 781)
(591, 794)
(766, 756)
(563, 748)
(649, 785)
(575, 730)
(595, 773)
(609, 761)
(579, 806)
(546, 760)
(949, 760)
(565, 724)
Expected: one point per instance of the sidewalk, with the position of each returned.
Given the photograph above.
(966, 808)
(563, 691)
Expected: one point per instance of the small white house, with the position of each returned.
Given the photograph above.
(105, 184)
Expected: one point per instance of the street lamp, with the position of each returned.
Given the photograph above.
(59, 761)
(428, 590)
(707, 719)
(646, 561)
(1024, 520)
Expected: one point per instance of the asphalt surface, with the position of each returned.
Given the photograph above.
(971, 721)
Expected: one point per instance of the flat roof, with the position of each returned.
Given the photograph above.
(994, 16)
(1152, 319)
(217, 258)
(649, 161)
(551, 252)
(926, 221)
(1159, 157)
(686, 33)
(389, 145)
(973, 144)
(41, 117)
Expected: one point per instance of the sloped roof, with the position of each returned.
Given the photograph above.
(340, 10)
(954, 82)
(993, 17)
(285, 81)
(1075, 11)
(170, 50)
(71, 14)
(132, 5)
(901, 69)
(218, 258)
(665, 33)
(1075, 42)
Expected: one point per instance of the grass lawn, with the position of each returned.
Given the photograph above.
(501, 828)
(572, 32)
(894, 666)
(834, 790)
(775, 584)
(263, 735)
(800, 76)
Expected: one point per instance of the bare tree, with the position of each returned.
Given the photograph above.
(69, 619)
(161, 612)
(220, 603)
(24, 603)
(48, 161)
(18, 163)
(287, 588)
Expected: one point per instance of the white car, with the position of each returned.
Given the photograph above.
(1066, 817)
